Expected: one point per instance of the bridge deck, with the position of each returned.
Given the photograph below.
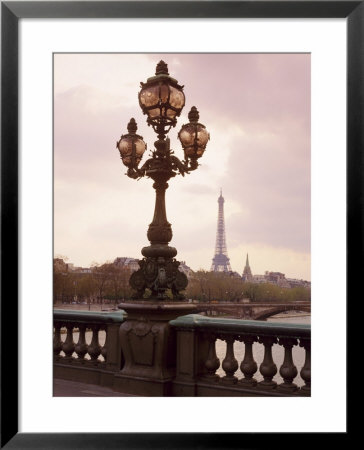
(65, 388)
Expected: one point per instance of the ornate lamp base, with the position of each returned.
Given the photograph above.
(159, 272)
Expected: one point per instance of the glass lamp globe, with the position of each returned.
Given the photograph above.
(131, 146)
(193, 136)
(162, 99)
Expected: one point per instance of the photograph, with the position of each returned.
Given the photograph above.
(182, 214)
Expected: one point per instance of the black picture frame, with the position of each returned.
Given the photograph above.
(11, 12)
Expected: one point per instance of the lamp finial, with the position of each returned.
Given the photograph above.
(132, 126)
(162, 68)
(193, 115)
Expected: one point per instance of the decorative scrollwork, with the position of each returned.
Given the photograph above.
(158, 275)
(141, 329)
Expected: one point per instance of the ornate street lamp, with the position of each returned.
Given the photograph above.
(162, 100)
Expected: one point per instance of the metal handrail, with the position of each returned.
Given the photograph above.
(239, 326)
(64, 315)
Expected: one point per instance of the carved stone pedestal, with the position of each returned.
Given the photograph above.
(149, 347)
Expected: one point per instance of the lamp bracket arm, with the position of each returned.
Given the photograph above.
(133, 173)
(177, 164)
(190, 165)
(147, 165)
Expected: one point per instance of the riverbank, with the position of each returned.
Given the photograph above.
(290, 315)
(87, 307)
(113, 307)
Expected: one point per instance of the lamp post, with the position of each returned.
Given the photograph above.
(162, 99)
(148, 343)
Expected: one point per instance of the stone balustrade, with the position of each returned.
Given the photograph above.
(92, 362)
(193, 367)
(198, 364)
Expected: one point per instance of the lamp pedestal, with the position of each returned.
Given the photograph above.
(148, 345)
(159, 270)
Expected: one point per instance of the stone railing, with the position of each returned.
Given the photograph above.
(197, 362)
(94, 362)
(147, 352)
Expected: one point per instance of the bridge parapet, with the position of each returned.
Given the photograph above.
(79, 361)
(192, 364)
(199, 334)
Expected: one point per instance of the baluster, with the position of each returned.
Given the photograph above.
(94, 349)
(288, 370)
(81, 347)
(212, 363)
(268, 369)
(104, 348)
(230, 364)
(248, 366)
(57, 342)
(68, 345)
(306, 369)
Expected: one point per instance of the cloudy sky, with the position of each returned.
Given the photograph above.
(257, 110)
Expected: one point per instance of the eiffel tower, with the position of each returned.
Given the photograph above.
(221, 261)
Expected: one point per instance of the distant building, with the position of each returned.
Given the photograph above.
(74, 269)
(258, 279)
(293, 282)
(235, 274)
(130, 263)
(247, 273)
(277, 278)
(185, 269)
